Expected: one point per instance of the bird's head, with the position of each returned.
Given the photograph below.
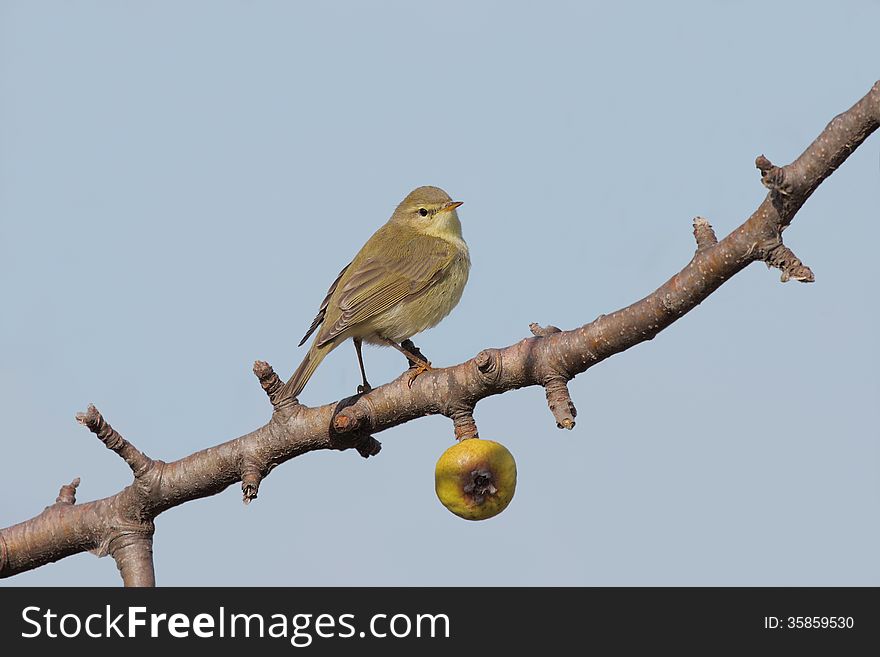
(430, 210)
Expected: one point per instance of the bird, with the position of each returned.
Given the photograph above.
(407, 277)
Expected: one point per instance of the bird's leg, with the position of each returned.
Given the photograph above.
(410, 350)
(366, 387)
(417, 362)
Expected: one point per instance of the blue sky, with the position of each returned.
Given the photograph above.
(180, 182)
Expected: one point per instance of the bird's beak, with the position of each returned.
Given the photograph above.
(452, 205)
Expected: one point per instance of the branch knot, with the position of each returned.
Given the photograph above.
(772, 176)
(543, 331)
(67, 494)
(273, 385)
(704, 234)
(352, 421)
(559, 401)
(251, 476)
(784, 259)
(139, 462)
(488, 363)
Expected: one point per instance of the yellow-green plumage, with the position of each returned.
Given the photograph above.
(407, 277)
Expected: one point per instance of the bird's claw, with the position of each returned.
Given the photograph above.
(416, 370)
(363, 389)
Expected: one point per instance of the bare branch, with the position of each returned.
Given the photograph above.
(772, 176)
(465, 427)
(137, 461)
(556, 385)
(67, 494)
(704, 233)
(792, 268)
(122, 525)
(133, 553)
(251, 476)
(271, 383)
(559, 401)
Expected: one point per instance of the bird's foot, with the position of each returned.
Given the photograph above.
(414, 355)
(416, 369)
(364, 388)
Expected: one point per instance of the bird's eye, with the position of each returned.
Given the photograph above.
(423, 212)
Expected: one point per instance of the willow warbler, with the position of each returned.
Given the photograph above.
(407, 277)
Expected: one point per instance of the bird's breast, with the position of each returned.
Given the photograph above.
(425, 310)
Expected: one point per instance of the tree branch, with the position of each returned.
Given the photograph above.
(136, 460)
(122, 525)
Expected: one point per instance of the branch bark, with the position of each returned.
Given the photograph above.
(122, 524)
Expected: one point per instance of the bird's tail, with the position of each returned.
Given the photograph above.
(305, 370)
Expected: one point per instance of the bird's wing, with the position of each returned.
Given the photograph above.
(376, 284)
(322, 311)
